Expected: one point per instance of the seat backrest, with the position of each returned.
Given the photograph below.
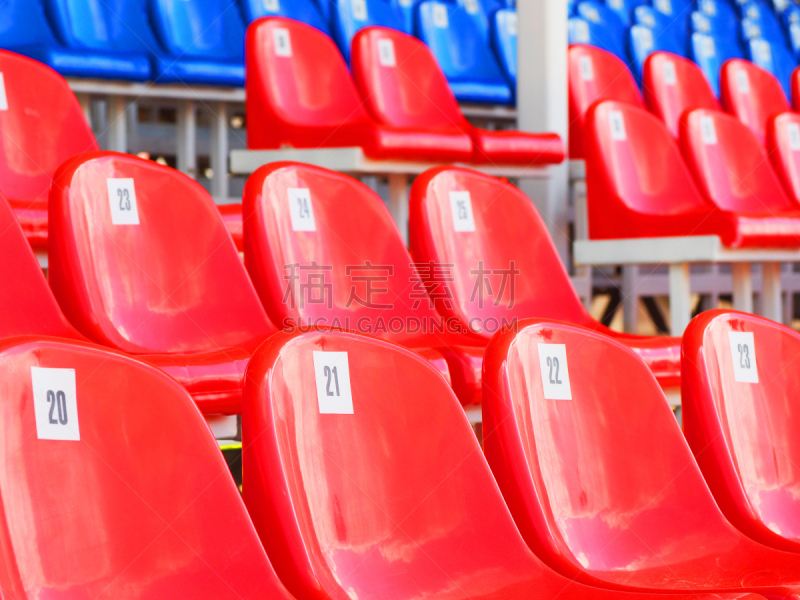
(662, 24)
(775, 58)
(625, 9)
(595, 74)
(309, 256)
(140, 260)
(153, 512)
(730, 165)
(500, 260)
(710, 53)
(27, 306)
(350, 16)
(751, 94)
(679, 10)
(736, 384)
(42, 126)
(23, 22)
(210, 29)
(783, 147)
(504, 40)
(587, 452)
(633, 166)
(766, 19)
(328, 481)
(672, 85)
(306, 11)
(81, 23)
(406, 8)
(401, 82)
(721, 13)
(644, 41)
(296, 80)
(597, 25)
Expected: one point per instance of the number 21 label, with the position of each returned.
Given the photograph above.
(122, 200)
(55, 404)
(555, 374)
(743, 356)
(332, 374)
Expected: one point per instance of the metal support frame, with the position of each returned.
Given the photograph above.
(187, 138)
(118, 123)
(219, 152)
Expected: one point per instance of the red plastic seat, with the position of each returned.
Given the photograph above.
(403, 86)
(783, 143)
(639, 185)
(752, 94)
(27, 306)
(300, 93)
(734, 173)
(171, 289)
(345, 268)
(392, 501)
(795, 90)
(595, 470)
(595, 74)
(123, 493)
(43, 125)
(673, 84)
(232, 217)
(507, 268)
(743, 429)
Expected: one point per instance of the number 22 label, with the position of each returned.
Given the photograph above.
(743, 356)
(555, 373)
(332, 375)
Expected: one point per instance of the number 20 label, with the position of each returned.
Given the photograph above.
(332, 374)
(55, 404)
(122, 200)
(555, 374)
(743, 356)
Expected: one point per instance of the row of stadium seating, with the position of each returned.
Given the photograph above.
(709, 33)
(202, 41)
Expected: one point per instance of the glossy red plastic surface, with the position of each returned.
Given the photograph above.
(734, 173)
(795, 90)
(232, 217)
(755, 101)
(673, 84)
(509, 236)
(393, 501)
(353, 272)
(413, 92)
(141, 506)
(305, 97)
(595, 74)
(783, 153)
(744, 435)
(42, 127)
(173, 285)
(639, 186)
(603, 486)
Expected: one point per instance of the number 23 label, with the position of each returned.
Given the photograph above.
(332, 374)
(555, 374)
(122, 200)
(743, 356)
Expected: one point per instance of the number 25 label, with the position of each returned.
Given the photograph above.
(122, 200)
(55, 404)
(555, 374)
(743, 356)
(332, 374)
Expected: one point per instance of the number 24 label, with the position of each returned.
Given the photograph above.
(555, 373)
(743, 356)
(332, 375)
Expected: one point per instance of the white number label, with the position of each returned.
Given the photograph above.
(359, 9)
(617, 125)
(511, 23)
(616, 4)
(743, 356)
(587, 72)
(709, 48)
(440, 16)
(709, 7)
(555, 374)
(122, 200)
(646, 38)
(762, 51)
(301, 210)
(386, 53)
(55, 404)
(664, 6)
(708, 130)
(581, 31)
(742, 81)
(406, 3)
(461, 208)
(794, 136)
(282, 42)
(3, 97)
(272, 6)
(332, 374)
(669, 73)
(471, 6)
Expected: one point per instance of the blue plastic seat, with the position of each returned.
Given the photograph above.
(406, 10)
(701, 23)
(466, 60)
(625, 9)
(306, 11)
(203, 41)
(644, 41)
(722, 15)
(765, 18)
(481, 12)
(794, 37)
(25, 29)
(679, 10)
(663, 25)
(504, 42)
(710, 53)
(775, 58)
(598, 26)
(791, 15)
(350, 16)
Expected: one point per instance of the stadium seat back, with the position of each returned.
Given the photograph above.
(644, 41)
(401, 82)
(739, 421)
(406, 8)
(42, 124)
(783, 147)
(775, 58)
(710, 53)
(350, 16)
(599, 26)
(752, 94)
(721, 13)
(730, 164)
(140, 259)
(672, 85)
(23, 22)
(595, 74)
(327, 484)
(81, 23)
(764, 16)
(306, 11)
(495, 255)
(199, 28)
(297, 216)
(625, 9)
(113, 485)
(481, 12)
(504, 41)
